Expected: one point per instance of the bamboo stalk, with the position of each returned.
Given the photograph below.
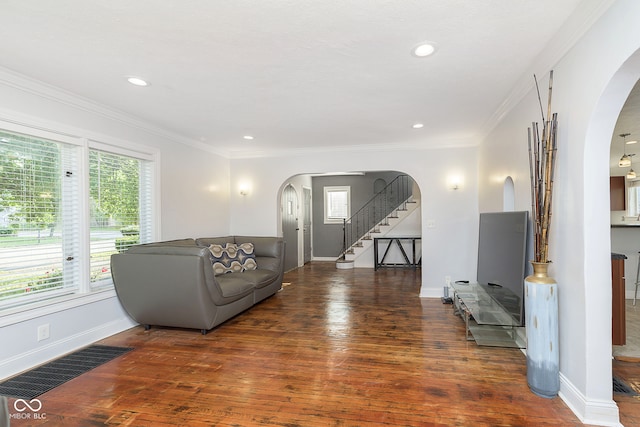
(532, 177)
(542, 167)
(539, 100)
(552, 160)
(550, 93)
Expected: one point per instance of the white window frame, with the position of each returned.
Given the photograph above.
(329, 217)
(85, 293)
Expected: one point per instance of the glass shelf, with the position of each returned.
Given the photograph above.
(486, 320)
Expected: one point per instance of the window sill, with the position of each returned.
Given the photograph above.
(43, 308)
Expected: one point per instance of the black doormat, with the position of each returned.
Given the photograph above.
(37, 381)
(621, 387)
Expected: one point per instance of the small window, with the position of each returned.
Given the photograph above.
(633, 204)
(337, 204)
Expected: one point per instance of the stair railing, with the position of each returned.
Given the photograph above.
(376, 212)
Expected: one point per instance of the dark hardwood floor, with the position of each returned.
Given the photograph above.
(333, 348)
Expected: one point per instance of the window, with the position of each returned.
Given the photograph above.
(337, 204)
(44, 191)
(114, 205)
(38, 218)
(633, 204)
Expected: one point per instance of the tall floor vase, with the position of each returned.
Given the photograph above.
(541, 311)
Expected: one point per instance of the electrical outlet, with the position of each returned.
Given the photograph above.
(447, 280)
(43, 332)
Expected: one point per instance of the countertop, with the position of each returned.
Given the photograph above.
(618, 256)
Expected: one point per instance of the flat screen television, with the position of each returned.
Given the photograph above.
(502, 259)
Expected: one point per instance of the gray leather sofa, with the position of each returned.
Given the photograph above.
(172, 283)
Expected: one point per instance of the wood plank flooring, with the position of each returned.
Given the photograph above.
(333, 348)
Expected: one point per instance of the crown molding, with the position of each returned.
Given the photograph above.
(425, 145)
(55, 94)
(582, 19)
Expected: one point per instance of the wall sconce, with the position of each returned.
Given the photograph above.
(244, 189)
(455, 182)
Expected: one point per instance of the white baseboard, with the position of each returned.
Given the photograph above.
(592, 412)
(324, 258)
(431, 292)
(23, 361)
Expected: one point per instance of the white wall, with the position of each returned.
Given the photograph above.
(591, 83)
(449, 248)
(194, 202)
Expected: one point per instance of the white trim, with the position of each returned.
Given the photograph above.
(336, 189)
(428, 144)
(594, 412)
(324, 258)
(37, 356)
(56, 132)
(156, 202)
(26, 312)
(85, 221)
(570, 33)
(120, 150)
(39, 132)
(426, 292)
(43, 90)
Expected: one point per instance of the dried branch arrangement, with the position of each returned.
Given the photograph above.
(542, 157)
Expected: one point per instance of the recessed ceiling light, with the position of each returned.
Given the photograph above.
(137, 81)
(417, 125)
(249, 137)
(424, 49)
(632, 142)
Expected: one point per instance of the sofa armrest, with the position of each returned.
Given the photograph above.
(157, 288)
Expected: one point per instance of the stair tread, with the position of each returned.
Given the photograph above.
(388, 221)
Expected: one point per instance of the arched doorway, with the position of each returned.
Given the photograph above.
(597, 242)
(323, 241)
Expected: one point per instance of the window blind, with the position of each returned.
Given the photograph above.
(38, 230)
(120, 213)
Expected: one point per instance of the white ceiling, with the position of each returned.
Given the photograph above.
(295, 74)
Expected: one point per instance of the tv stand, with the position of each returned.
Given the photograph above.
(486, 321)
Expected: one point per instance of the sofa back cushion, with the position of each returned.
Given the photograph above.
(232, 258)
(206, 241)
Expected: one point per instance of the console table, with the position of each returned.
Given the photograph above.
(486, 321)
(412, 262)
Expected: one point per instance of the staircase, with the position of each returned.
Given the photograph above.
(376, 218)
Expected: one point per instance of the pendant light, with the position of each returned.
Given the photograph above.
(631, 174)
(625, 160)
